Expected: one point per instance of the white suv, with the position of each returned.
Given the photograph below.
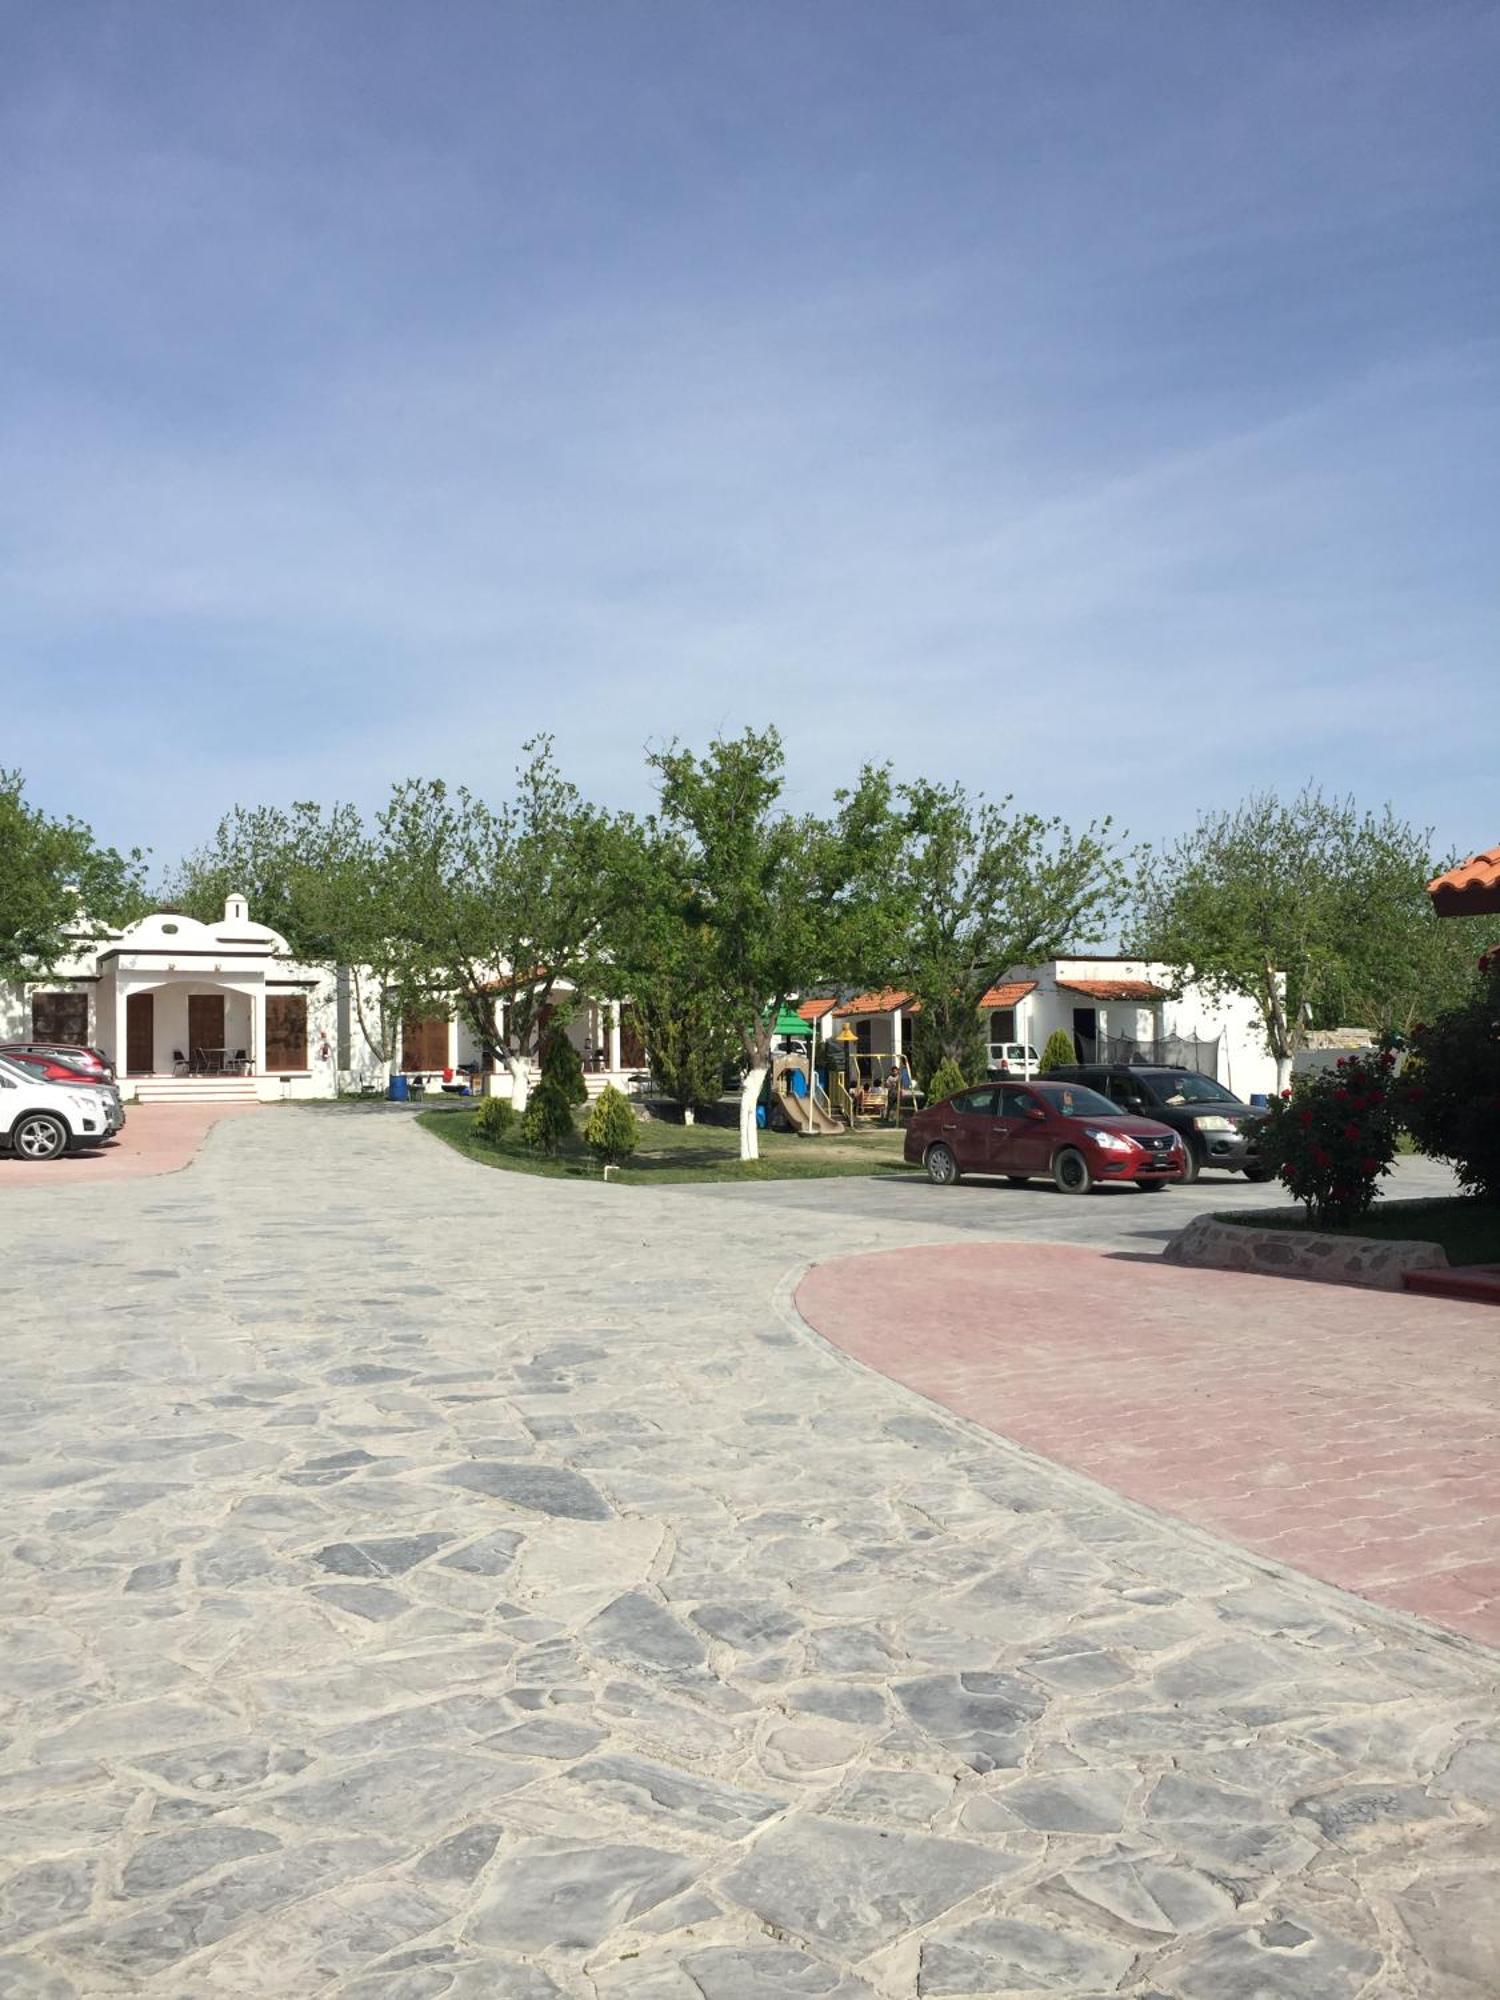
(1013, 1059)
(41, 1121)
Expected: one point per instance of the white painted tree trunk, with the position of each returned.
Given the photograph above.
(749, 1098)
(519, 1083)
(687, 1114)
(1283, 1073)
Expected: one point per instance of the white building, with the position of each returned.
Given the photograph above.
(1110, 1008)
(186, 1010)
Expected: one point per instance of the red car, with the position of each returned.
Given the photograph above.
(1021, 1131)
(93, 1062)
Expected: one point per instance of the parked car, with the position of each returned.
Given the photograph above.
(95, 1061)
(41, 1121)
(1021, 1131)
(1013, 1059)
(1216, 1127)
(49, 1069)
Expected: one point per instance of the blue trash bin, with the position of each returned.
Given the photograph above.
(400, 1090)
(760, 1116)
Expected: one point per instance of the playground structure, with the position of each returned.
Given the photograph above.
(802, 1099)
(859, 1094)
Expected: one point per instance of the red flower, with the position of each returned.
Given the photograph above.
(1416, 1090)
(1286, 1094)
(1352, 1132)
(1341, 1097)
(1304, 1118)
(1342, 1063)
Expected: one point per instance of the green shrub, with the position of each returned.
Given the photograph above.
(548, 1119)
(1331, 1137)
(610, 1131)
(495, 1119)
(946, 1079)
(1059, 1050)
(563, 1064)
(1449, 1095)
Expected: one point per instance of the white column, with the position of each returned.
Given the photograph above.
(614, 1034)
(896, 1033)
(258, 1031)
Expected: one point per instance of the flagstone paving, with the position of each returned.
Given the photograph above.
(425, 1583)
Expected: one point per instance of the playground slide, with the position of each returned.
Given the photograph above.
(803, 1115)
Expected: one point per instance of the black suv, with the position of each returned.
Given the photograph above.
(1217, 1129)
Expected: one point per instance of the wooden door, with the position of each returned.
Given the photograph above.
(424, 1042)
(205, 1025)
(632, 1042)
(286, 1032)
(140, 1033)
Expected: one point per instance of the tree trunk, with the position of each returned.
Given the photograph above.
(687, 1114)
(520, 1087)
(755, 1076)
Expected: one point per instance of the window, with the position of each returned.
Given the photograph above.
(60, 1017)
(424, 1041)
(1003, 1024)
(976, 1103)
(1017, 1103)
(286, 1032)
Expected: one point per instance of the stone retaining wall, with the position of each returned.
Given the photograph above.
(1285, 1253)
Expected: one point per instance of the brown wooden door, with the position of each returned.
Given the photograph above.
(140, 1033)
(205, 1025)
(424, 1041)
(632, 1043)
(286, 1032)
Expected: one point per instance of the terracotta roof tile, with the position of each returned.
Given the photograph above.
(1008, 992)
(1114, 989)
(814, 1010)
(873, 1003)
(1472, 889)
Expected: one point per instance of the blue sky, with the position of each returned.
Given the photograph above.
(1095, 402)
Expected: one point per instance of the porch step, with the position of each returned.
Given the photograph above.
(1479, 1284)
(196, 1090)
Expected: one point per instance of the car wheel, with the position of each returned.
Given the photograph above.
(1151, 1187)
(1191, 1164)
(39, 1137)
(1070, 1172)
(1019, 1180)
(942, 1168)
(1259, 1174)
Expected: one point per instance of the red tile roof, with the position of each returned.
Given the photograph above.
(814, 1010)
(874, 1003)
(1008, 993)
(1114, 989)
(1472, 889)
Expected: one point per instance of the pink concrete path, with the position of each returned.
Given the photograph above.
(1350, 1434)
(158, 1139)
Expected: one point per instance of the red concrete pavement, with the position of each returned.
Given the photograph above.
(1354, 1435)
(158, 1139)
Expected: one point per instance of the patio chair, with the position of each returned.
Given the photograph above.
(180, 1064)
(239, 1063)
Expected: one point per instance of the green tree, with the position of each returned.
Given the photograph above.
(687, 1043)
(315, 875)
(946, 1079)
(758, 902)
(60, 891)
(610, 1132)
(1059, 1050)
(547, 1122)
(562, 1062)
(982, 888)
(494, 901)
(1310, 908)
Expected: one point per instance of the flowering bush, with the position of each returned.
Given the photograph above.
(1331, 1137)
(1450, 1090)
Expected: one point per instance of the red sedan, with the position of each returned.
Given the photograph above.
(1021, 1131)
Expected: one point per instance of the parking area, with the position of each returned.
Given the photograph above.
(157, 1139)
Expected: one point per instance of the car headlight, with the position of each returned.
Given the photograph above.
(1214, 1124)
(1111, 1142)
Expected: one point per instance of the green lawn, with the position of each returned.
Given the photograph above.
(682, 1153)
(1468, 1230)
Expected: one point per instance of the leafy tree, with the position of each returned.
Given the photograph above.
(547, 1123)
(1450, 1089)
(687, 1042)
(753, 903)
(59, 890)
(562, 1062)
(610, 1132)
(1309, 908)
(946, 1079)
(316, 876)
(1059, 1050)
(477, 892)
(983, 888)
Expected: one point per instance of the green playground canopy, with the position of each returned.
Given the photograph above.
(790, 1023)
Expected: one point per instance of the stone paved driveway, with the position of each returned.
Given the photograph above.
(423, 1582)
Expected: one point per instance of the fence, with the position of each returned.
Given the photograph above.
(1165, 1051)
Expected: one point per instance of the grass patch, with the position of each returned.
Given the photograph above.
(1468, 1230)
(668, 1153)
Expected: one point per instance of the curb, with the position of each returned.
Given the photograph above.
(1209, 1244)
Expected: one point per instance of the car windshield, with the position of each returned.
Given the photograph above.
(1073, 1100)
(1186, 1086)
